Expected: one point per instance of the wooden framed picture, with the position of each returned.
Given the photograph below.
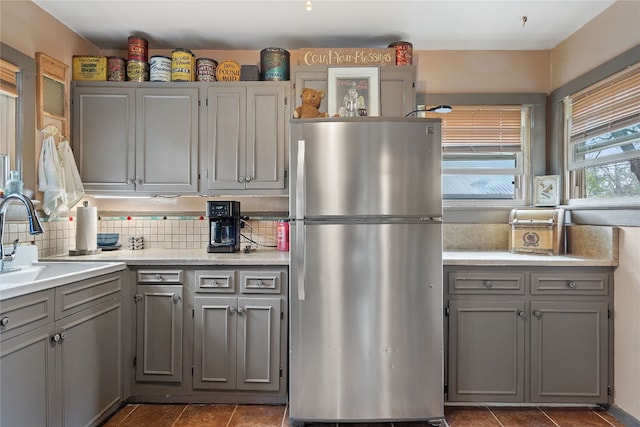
(353, 91)
(546, 190)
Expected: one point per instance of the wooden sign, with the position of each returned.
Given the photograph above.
(348, 56)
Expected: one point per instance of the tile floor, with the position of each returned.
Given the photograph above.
(196, 415)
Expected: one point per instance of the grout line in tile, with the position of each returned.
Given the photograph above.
(547, 415)
(179, 415)
(235, 408)
(494, 416)
(606, 420)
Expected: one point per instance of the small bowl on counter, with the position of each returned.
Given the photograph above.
(108, 239)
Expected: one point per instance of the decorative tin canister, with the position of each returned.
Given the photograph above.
(228, 71)
(274, 63)
(206, 69)
(182, 65)
(137, 71)
(89, 68)
(404, 52)
(160, 68)
(138, 49)
(116, 69)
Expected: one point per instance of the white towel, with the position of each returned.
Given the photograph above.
(72, 183)
(51, 179)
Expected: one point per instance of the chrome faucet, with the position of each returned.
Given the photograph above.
(35, 227)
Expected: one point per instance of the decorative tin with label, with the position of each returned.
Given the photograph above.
(228, 71)
(116, 69)
(137, 71)
(138, 49)
(537, 231)
(404, 52)
(160, 68)
(206, 69)
(89, 68)
(182, 65)
(274, 63)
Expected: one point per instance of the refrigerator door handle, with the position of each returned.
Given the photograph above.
(300, 187)
(300, 258)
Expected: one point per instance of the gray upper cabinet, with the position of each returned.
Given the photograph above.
(246, 138)
(397, 88)
(136, 139)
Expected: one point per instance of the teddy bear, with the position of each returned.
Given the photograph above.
(310, 102)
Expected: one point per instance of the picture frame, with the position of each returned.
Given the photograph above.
(353, 91)
(546, 190)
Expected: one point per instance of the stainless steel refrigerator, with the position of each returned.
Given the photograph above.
(366, 311)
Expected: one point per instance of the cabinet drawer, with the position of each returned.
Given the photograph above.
(568, 283)
(222, 281)
(260, 282)
(482, 282)
(79, 296)
(24, 313)
(160, 276)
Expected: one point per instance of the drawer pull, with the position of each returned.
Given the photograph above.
(537, 313)
(572, 285)
(158, 277)
(487, 283)
(4, 321)
(260, 283)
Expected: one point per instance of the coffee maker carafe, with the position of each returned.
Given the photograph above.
(224, 226)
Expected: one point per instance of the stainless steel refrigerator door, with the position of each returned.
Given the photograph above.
(366, 322)
(360, 168)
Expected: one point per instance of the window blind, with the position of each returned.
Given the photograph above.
(8, 78)
(491, 128)
(604, 121)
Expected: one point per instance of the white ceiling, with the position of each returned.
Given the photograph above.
(257, 24)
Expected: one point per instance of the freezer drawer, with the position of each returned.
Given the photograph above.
(366, 322)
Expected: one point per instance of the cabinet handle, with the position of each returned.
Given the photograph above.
(130, 180)
(241, 179)
(521, 314)
(63, 335)
(139, 181)
(487, 283)
(537, 313)
(158, 277)
(232, 309)
(260, 283)
(240, 310)
(55, 338)
(247, 178)
(4, 321)
(214, 283)
(572, 285)
(176, 298)
(137, 298)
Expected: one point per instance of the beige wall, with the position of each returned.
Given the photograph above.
(627, 323)
(609, 34)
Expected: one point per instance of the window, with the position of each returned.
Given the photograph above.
(602, 128)
(8, 108)
(485, 152)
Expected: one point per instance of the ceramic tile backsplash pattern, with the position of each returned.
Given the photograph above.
(158, 232)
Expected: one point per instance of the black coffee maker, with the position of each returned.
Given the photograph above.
(224, 226)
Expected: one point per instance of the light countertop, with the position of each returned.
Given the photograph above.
(273, 257)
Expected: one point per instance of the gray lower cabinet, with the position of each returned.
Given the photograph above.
(126, 137)
(159, 326)
(397, 88)
(247, 125)
(61, 356)
(539, 335)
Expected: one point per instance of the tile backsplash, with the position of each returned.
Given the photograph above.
(165, 232)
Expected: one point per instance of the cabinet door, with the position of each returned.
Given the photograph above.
(258, 343)
(104, 137)
(167, 140)
(27, 376)
(226, 138)
(90, 363)
(266, 127)
(569, 352)
(486, 351)
(159, 327)
(214, 346)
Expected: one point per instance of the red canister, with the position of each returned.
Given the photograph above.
(404, 52)
(283, 235)
(138, 49)
(116, 69)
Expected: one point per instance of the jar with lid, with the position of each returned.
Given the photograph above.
(14, 184)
